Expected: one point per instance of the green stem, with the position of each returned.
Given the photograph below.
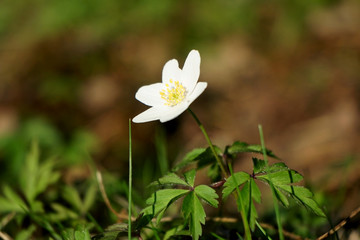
(276, 206)
(262, 230)
(240, 206)
(130, 182)
(221, 165)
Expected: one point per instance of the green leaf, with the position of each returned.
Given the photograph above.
(281, 197)
(255, 191)
(303, 196)
(14, 199)
(250, 192)
(37, 207)
(259, 165)
(176, 231)
(242, 147)
(189, 158)
(208, 194)
(89, 198)
(45, 176)
(71, 195)
(203, 157)
(283, 178)
(233, 182)
(43, 222)
(171, 178)
(82, 233)
(25, 234)
(141, 221)
(207, 158)
(190, 177)
(113, 232)
(194, 214)
(29, 173)
(6, 205)
(214, 172)
(68, 234)
(160, 200)
(217, 236)
(61, 213)
(279, 166)
(36, 177)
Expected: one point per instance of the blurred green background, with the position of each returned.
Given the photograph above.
(69, 71)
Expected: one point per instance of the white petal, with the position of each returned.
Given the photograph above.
(172, 112)
(199, 88)
(150, 94)
(149, 115)
(171, 70)
(191, 70)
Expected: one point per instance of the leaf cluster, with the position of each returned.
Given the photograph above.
(172, 187)
(32, 197)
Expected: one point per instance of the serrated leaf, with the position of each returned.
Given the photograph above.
(250, 192)
(282, 177)
(281, 197)
(303, 196)
(171, 178)
(241, 147)
(279, 166)
(161, 199)
(259, 165)
(194, 213)
(233, 182)
(208, 194)
(190, 177)
(189, 158)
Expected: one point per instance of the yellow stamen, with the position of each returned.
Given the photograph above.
(174, 93)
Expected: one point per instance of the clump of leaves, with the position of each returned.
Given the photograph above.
(192, 205)
(173, 187)
(28, 199)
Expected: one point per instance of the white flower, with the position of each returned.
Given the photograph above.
(179, 88)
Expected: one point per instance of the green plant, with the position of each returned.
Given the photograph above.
(169, 99)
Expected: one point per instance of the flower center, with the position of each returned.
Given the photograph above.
(173, 94)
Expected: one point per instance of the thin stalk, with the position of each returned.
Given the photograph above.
(276, 206)
(201, 126)
(221, 165)
(130, 182)
(262, 230)
(241, 207)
